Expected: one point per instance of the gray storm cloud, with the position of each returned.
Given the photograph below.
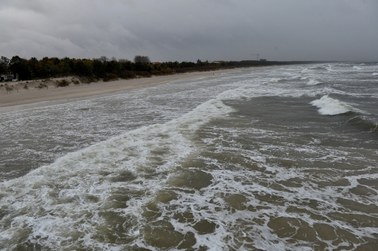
(191, 29)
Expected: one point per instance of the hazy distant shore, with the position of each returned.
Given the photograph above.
(21, 94)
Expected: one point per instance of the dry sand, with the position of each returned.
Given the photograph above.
(19, 97)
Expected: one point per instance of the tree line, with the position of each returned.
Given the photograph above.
(109, 69)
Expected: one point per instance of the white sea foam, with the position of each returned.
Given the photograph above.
(313, 69)
(357, 68)
(305, 70)
(248, 89)
(330, 68)
(313, 82)
(331, 106)
(66, 197)
(275, 80)
(375, 74)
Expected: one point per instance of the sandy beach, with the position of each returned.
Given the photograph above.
(18, 96)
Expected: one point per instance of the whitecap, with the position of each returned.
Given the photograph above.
(357, 68)
(331, 106)
(313, 82)
(305, 70)
(275, 80)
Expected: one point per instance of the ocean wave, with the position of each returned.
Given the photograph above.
(364, 123)
(82, 195)
(320, 68)
(330, 106)
(313, 82)
(357, 68)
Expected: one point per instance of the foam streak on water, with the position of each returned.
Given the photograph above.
(71, 198)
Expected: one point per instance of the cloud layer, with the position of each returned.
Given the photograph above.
(191, 29)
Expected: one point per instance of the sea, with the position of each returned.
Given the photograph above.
(266, 158)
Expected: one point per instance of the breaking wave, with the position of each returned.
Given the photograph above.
(313, 82)
(85, 196)
(357, 68)
(364, 124)
(330, 106)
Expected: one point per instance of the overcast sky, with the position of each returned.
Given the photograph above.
(191, 29)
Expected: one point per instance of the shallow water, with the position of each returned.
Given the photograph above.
(275, 158)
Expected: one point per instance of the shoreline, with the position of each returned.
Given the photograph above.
(20, 98)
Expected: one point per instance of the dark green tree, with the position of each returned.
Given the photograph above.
(4, 65)
(142, 59)
(20, 67)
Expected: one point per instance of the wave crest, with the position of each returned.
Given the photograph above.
(330, 106)
(313, 82)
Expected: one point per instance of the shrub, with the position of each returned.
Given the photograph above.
(62, 83)
(144, 74)
(75, 81)
(87, 80)
(9, 88)
(110, 77)
(42, 85)
(127, 75)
